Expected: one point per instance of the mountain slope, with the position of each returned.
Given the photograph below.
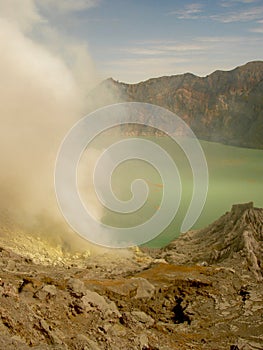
(225, 106)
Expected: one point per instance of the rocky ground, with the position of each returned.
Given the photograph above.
(203, 291)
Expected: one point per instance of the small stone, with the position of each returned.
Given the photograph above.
(143, 341)
(93, 299)
(76, 287)
(11, 265)
(84, 343)
(142, 317)
(118, 330)
(50, 289)
(50, 333)
(144, 288)
(47, 292)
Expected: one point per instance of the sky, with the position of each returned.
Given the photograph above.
(134, 40)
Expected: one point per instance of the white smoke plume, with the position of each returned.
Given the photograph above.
(44, 80)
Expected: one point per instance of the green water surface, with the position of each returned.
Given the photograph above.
(235, 176)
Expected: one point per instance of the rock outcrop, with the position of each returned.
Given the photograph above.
(225, 106)
(235, 239)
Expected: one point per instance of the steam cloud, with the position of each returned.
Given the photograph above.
(44, 80)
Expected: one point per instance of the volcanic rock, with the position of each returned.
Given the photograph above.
(203, 291)
(225, 106)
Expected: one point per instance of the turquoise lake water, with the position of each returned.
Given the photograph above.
(235, 176)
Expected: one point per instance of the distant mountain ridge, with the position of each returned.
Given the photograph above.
(225, 106)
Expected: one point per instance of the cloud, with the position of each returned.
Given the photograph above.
(195, 11)
(21, 13)
(257, 30)
(199, 55)
(154, 58)
(141, 68)
(235, 2)
(191, 11)
(220, 39)
(143, 51)
(146, 61)
(234, 43)
(182, 48)
(163, 49)
(244, 15)
(247, 1)
(69, 5)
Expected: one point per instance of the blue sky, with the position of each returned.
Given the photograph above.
(132, 40)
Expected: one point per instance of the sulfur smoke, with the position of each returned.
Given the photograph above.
(45, 78)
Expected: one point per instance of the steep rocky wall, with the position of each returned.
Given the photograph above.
(225, 106)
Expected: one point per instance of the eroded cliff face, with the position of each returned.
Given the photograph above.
(203, 291)
(235, 239)
(225, 106)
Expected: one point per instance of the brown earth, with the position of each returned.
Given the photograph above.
(203, 291)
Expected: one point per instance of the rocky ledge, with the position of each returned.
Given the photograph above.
(203, 291)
